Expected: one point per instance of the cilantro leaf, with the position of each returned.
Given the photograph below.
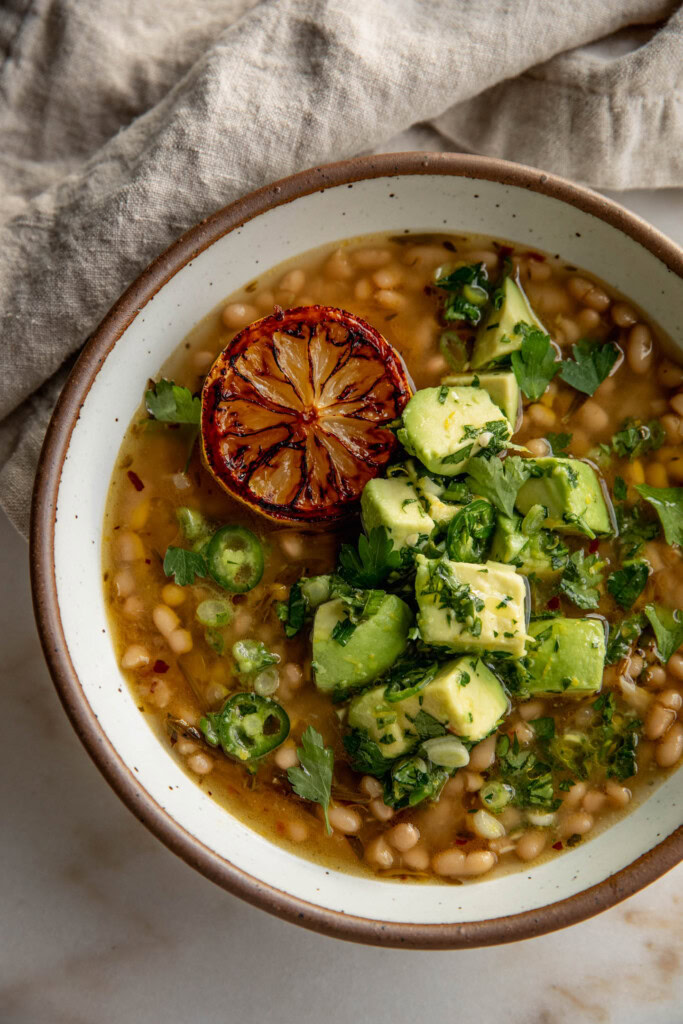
(311, 779)
(171, 403)
(581, 579)
(623, 637)
(184, 565)
(373, 561)
(559, 443)
(366, 755)
(637, 438)
(592, 363)
(627, 584)
(499, 481)
(668, 504)
(534, 364)
(668, 629)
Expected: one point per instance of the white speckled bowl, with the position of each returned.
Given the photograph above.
(422, 193)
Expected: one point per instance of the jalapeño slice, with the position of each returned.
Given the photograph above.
(247, 727)
(235, 558)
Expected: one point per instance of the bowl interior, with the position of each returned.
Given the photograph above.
(417, 202)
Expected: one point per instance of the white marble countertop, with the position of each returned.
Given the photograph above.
(100, 924)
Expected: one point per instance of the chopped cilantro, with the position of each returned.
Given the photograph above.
(559, 443)
(466, 293)
(343, 631)
(366, 756)
(591, 364)
(635, 529)
(469, 532)
(622, 638)
(581, 579)
(620, 489)
(443, 394)
(637, 438)
(534, 364)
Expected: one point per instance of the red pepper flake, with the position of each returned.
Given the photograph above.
(461, 842)
(160, 667)
(135, 480)
(280, 827)
(593, 546)
(531, 255)
(554, 604)
(557, 846)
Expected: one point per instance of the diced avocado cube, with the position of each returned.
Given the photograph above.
(496, 336)
(467, 697)
(542, 553)
(394, 503)
(567, 657)
(502, 386)
(390, 725)
(470, 607)
(371, 649)
(571, 492)
(446, 426)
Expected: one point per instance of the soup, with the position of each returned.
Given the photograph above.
(496, 672)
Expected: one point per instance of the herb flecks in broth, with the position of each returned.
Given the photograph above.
(395, 699)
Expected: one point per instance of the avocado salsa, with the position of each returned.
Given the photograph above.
(483, 667)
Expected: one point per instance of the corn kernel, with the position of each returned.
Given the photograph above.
(634, 473)
(140, 515)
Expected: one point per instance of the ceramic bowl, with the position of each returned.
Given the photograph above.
(412, 191)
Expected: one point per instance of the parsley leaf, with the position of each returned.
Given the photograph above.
(592, 362)
(559, 443)
(184, 565)
(668, 629)
(581, 579)
(637, 438)
(311, 779)
(627, 584)
(171, 403)
(499, 481)
(366, 755)
(668, 504)
(534, 364)
(373, 561)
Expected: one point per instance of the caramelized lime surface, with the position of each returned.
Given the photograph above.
(295, 412)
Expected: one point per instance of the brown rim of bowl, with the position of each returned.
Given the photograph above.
(43, 513)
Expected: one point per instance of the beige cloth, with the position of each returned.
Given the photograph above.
(122, 124)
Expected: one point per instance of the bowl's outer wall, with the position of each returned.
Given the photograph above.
(393, 193)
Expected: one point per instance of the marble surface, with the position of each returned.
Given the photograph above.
(100, 924)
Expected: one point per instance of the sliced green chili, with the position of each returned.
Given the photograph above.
(247, 727)
(235, 558)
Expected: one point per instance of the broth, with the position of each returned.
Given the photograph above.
(173, 663)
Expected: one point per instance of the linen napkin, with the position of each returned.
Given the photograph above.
(123, 124)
